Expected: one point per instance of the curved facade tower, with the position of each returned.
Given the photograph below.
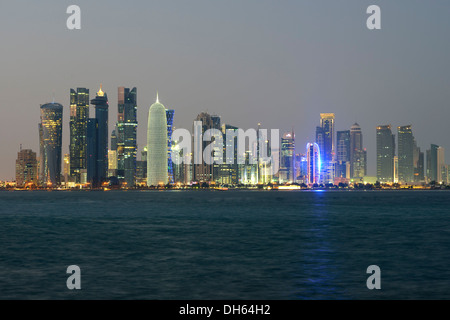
(50, 132)
(157, 171)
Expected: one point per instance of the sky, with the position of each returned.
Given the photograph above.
(280, 63)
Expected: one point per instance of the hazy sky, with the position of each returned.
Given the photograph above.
(280, 63)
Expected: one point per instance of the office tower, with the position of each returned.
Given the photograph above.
(301, 167)
(396, 180)
(50, 133)
(313, 163)
(325, 139)
(385, 153)
(169, 116)
(101, 115)
(91, 152)
(441, 173)
(113, 140)
(432, 163)
(418, 157)
(157, 172)
(358, 155)
(342, 154)
(229, 170)
(79, 115)
(26, 167)
(112, 163)
(204, 172)
(287, 165)
(126, 130)
(66, 168)
(405, 154)
(141, 168)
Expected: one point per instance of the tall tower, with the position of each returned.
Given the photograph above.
(157, 172)
(126, 130)
(342, 153)
(169, 115)
(79, 114)
(385, 153)
(313, 163)
(325, 138)
(50, 132)
(405, 154)
(358, 155)
(101, 115)
(287, 165)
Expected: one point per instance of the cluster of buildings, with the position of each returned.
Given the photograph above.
(97, 159)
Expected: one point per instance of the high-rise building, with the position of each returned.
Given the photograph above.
(91, 152)
(405, 154)
(126, 130)
(287, 164)
(26, 167)
(112, 163)
(385, 153)
(66, 168)
(325, 138)
(432, 164)
(157, 172)
(314, 163)
(343, 154)
(229, 170)
(101, 115)
(169, 115)
(441, 168)
(418, 162)
(358, 155)
(206, 170)
(79, 115)
(50, 133)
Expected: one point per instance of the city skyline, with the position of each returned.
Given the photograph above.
(245, 70)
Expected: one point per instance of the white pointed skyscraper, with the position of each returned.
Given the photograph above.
(157, 145)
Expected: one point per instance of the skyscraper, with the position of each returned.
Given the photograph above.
(169, 115)
(101, 115)
(405, 154)
(358, 155)
(432, 164)
(385, 153)
(26, 167)
(204, 172)
(79, 114)
(91, 152)
(325, 138)
(50, 133)
(126, 130)
(418, 161)
(157, 172)
(229, 170)
(343, 154)
(314, 163)
(287, 164)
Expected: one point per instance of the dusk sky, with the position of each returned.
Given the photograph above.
(280, 63)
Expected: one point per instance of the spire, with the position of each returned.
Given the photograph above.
(157, 98)
(100, 93)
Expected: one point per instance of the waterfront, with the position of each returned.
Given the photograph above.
(225, 245)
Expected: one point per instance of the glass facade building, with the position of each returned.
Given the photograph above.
(79, 115)
(385, 153)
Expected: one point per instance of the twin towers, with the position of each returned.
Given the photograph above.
(157, 138)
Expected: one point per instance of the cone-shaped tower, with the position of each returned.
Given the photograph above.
(157, 145)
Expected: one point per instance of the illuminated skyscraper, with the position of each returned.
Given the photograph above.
(358, 155)
(405, 154)
(229, 170)
(91, 152)
(50, 132)
(101, 115)
(126, 130)
(26, 167)
(325, 138)
(79, 115)
(385, 154)
(313, 163)
(287, 165)
(342, 153)
(157, 172)
(169, 115)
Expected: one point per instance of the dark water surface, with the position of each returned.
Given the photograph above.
(225, 245)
